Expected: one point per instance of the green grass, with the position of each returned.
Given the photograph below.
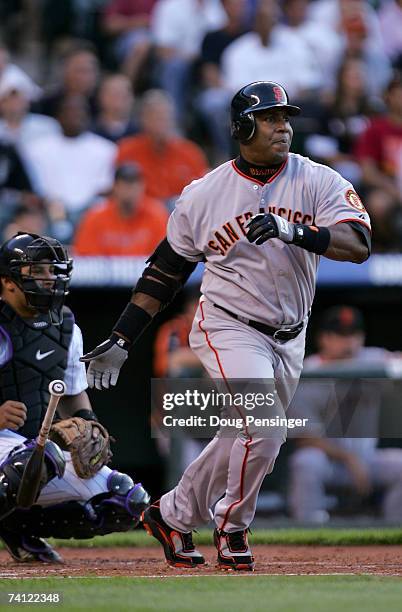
(314, 537)
(217, 594)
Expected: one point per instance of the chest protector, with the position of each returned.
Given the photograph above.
(37, 355)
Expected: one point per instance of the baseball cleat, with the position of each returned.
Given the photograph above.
(28, 549)
(234, 552)
(178, 547)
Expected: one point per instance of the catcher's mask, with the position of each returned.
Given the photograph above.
(41, 268)
(252, 98)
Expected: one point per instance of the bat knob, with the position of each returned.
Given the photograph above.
(57, 388)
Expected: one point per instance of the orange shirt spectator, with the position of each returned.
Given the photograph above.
(172, 354)
(129, 223)
(168, 162)
(171, 336)
(166, 170)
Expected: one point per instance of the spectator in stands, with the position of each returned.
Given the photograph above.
(173, 356)
(27, 219)
(115, 102)
(360, 35)
(344, 116)
(80, 70)
(15, 184)
(215, 42)
(13, 175)
(353, 462)
(8, 70)
(128, 21)
(213, 100)
(379, 148)
(17, 125)
(168, 161)
(271, 52)
(128, 223)
(390, 15)
(178, 28)
(72, 168)
(322, 39)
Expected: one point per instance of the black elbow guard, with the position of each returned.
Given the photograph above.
(168, 260)
(164, 289)
(157, 282)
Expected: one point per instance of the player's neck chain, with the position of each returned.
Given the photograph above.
(260, 173)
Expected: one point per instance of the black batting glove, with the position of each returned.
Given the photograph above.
(264, 226)
(105, 362)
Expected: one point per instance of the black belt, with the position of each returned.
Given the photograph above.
(280, 335)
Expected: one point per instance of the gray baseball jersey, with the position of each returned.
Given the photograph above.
(273, 283)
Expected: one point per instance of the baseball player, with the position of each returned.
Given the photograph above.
(260, 223)
(352, 460)
(39, 342)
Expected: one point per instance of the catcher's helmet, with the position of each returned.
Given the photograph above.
(47, 293)
(255, 97)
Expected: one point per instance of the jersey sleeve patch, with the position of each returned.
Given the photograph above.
(353, 200)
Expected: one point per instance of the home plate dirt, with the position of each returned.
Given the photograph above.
(286, 560)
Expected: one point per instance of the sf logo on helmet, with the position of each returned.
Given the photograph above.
(278, 93)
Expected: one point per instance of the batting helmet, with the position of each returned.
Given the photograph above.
(255, 97)
(46, 294)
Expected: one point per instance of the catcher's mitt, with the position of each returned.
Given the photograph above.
(87, 441)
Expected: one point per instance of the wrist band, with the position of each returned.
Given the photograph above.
(311, 238)
(88, 415)
(132, 322)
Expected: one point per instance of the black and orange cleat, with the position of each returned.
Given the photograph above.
(178, 547)
(234, 552)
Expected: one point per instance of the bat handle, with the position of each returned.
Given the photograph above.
(47, 421)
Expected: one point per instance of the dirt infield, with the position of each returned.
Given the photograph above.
(283, 560)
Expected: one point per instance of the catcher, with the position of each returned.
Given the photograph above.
(80, 496)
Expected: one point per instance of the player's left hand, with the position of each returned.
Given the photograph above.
(264, 226)
(87, 441)
(105, 362)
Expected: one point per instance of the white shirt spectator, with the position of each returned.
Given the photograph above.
(12, 72)
(286, 60)
(32, 127)
(328, 13)
(325, 45)
(182, 24)
(391, 26)
(72, 170)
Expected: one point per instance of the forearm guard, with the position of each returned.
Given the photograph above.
(166, 274)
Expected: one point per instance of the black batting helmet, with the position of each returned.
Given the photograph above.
(26, 250)
(255, 97)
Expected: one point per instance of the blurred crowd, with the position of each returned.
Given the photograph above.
(108, 108)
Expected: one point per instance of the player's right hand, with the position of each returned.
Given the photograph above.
(12, 415)
(105, 362)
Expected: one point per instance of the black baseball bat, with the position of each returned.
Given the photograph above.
(29, 485)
